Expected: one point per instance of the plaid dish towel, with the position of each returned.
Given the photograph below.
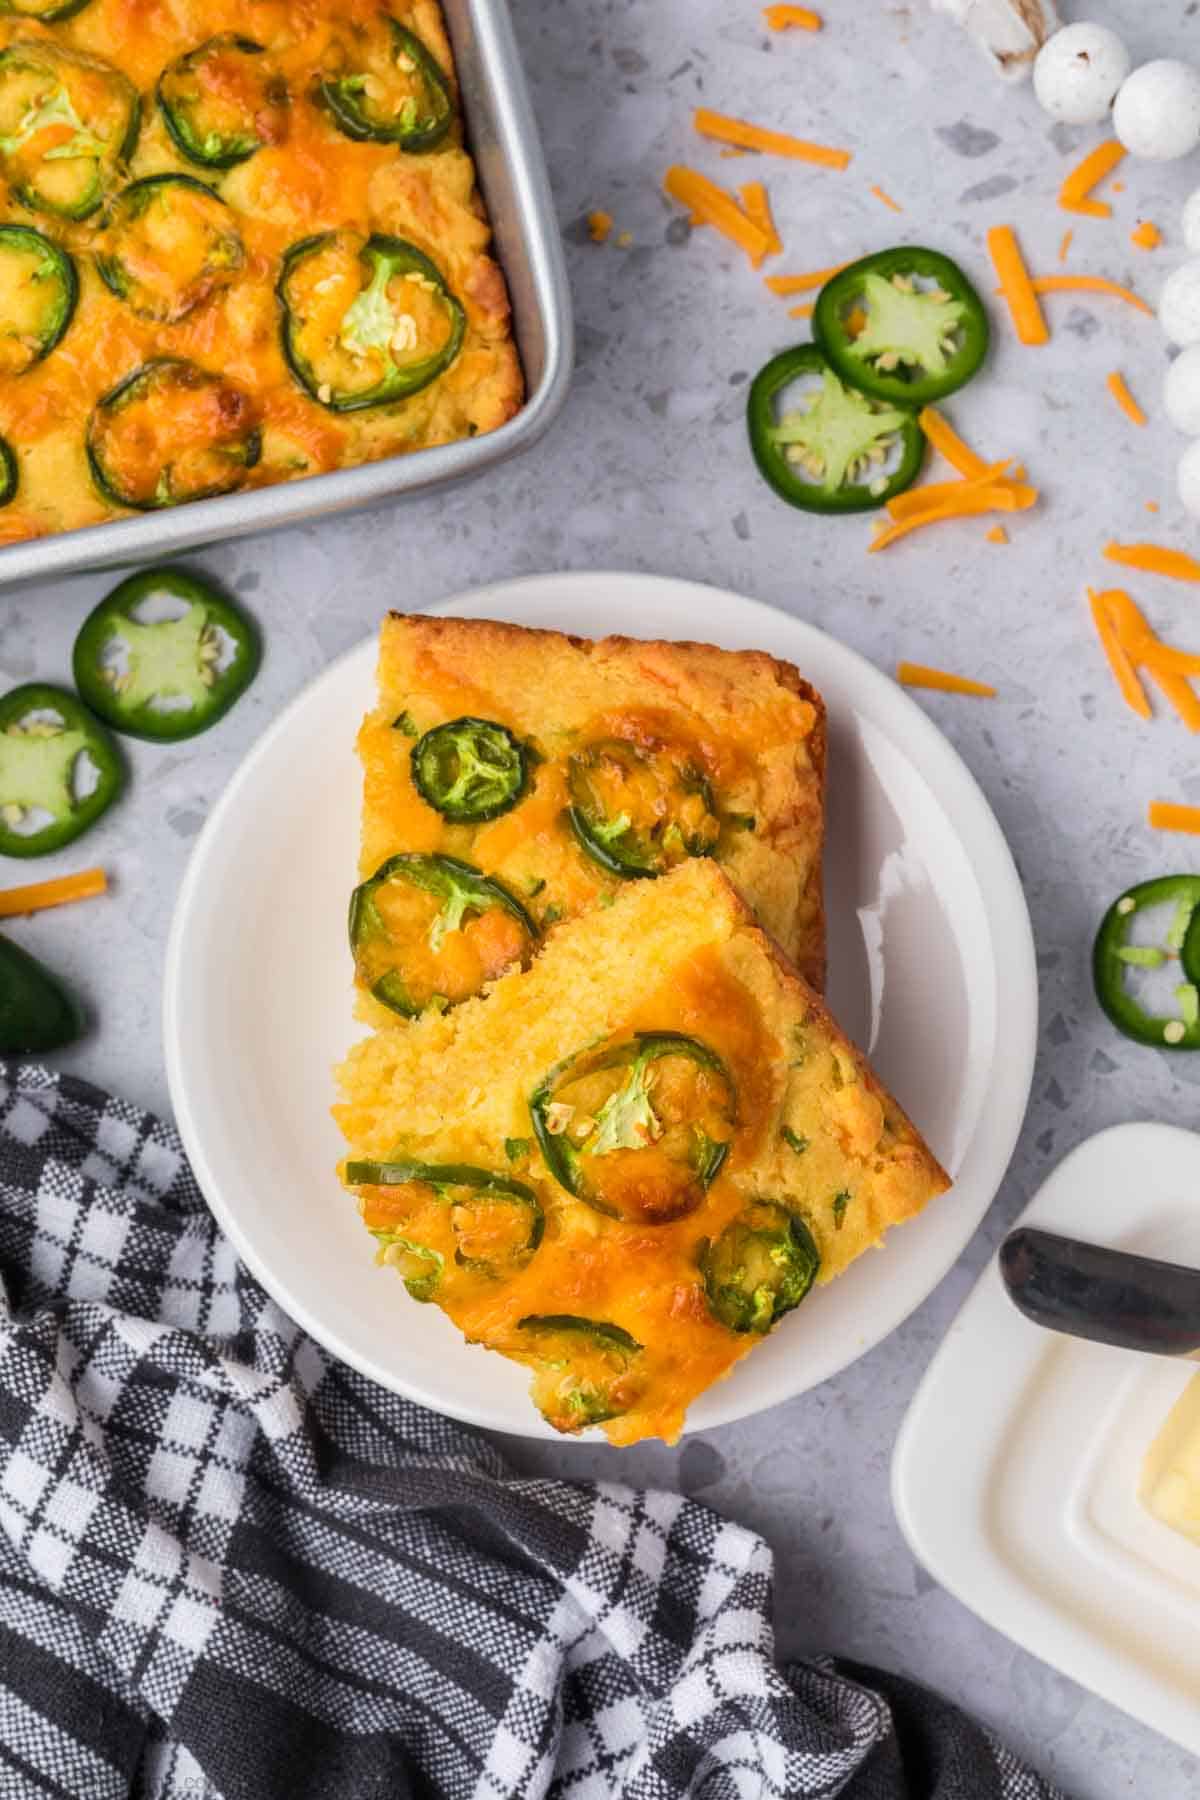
(231, 1569)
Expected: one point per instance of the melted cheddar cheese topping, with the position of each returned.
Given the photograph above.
(679, 1140)
(179, 261)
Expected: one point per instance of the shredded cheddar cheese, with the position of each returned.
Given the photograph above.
(783, 18)
(1119, 661)
(1074, 194)
(971, 499)
(1154, 559)
(917, 675)
(936, 493)
(801, 312)
(773, 143)
(1146, 236)
(1088, 284)
(711, 205)
(1015, 285)
(948, 444)
(1117, 388)
(599, 226)
(1167, 815)
(1065, 245)
(886, 199)
(757, 207)
(802, 284)
(997, 535)
(37, 896)
(1169, 669)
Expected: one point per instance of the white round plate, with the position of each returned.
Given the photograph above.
(932, 973)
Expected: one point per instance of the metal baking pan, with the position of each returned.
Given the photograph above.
(503, 138)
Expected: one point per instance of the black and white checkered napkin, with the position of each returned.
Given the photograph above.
(230, 1569)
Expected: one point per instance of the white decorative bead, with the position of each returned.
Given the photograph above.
(1189, 478)
(1078, 72)
(1179, 304)
(1181, 391)
(1157, 110)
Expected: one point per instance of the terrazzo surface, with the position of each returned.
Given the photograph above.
(648, 470)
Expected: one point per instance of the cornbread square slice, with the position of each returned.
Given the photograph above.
(624, 1164)
(568, 770)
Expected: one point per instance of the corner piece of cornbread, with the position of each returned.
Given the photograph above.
(623, 1165)
(670, 750)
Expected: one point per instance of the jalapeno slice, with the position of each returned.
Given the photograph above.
(37, 1013)
(497, 1222)
(470, 770)
(38, 291)
(639, 808)
(366, 322)
(585, 1370)
(59, 770)
(640, 1128)
(389, 90)
(67, 122)
(164, 656)
(834, 450)
(430, 931)
(761, 1266)
(223, 101)
(904, 326)
(47, 12)
(10, 475)
(168, 243)
(1114, 958)
(171, 432)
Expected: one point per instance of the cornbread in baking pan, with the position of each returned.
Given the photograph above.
(567, 771)
(251, 249)
(625, 1164)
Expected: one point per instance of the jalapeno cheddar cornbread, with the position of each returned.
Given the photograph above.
(239, 245)
(516, 778)
(625, 1165)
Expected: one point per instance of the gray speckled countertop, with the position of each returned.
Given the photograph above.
(648, 470)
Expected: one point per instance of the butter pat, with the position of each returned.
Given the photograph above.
(1170, 1483)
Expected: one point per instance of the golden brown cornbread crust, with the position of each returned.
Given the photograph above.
(679, 954)
(758, 726)
(314, 179)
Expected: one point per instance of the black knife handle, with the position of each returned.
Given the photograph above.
(1108, 1296)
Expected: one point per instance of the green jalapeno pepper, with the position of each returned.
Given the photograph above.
(168, 243)
(46, 12)
(171, 432)
(168, 676)
(67, 123)
(924, 331)
(638, 809)
(1114, 956)
(419, 1266)
(10, 475)
(762, 1265)
(498, 1222)
(397, 937)
(37, 1013)
(585, 1369)
(223, 101)
(39, 289)
(366, 323)
(59, 770)
(402, 97)
(829, 453)
(470, 770)
(639, 1129)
